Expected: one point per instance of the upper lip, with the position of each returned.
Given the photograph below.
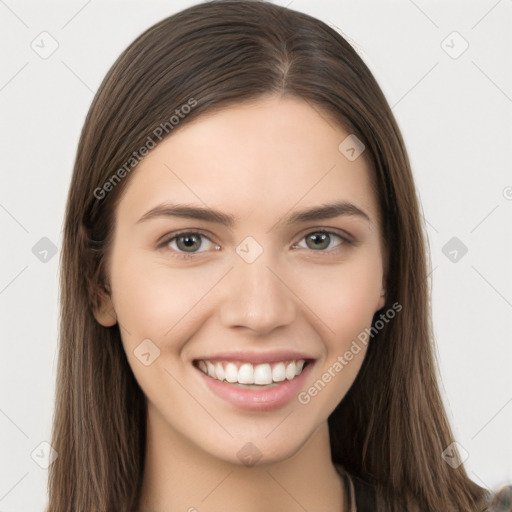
(257, 357)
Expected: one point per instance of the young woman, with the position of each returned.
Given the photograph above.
(245, 314)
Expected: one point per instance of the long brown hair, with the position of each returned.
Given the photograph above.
(391, 427)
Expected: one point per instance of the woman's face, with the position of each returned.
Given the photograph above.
(250, 297)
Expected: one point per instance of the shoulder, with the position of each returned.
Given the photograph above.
(501, 501)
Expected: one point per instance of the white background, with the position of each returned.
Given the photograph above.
(455, 116)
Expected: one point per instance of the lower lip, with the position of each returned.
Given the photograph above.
(265, 399)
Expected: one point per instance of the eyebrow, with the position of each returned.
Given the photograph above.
(325, 211)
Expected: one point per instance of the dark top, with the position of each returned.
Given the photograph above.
(361, 496)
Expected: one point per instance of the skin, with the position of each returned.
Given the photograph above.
(260, 162)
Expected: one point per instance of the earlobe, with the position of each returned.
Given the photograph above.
(105, 314)
(382, 299)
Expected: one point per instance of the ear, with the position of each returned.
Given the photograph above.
(105, 313)
(382, 298)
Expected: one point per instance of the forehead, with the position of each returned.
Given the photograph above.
(266, 156)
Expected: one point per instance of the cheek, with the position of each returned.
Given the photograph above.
(345, 297)
(358, 298)
(346, 306)
(143, 299)
(157, 302)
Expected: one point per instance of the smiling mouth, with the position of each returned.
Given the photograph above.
(254, 376)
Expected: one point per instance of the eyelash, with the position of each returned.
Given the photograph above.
(173, 236)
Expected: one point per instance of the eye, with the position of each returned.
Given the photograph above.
(319, 241)
(186, 243)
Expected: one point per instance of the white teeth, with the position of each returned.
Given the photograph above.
(211, 369)
(290, 371)
(263, 374)
(248, 374)
(219, 370)
(231, 373)
(279, 372)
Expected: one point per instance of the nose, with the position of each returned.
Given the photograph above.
(257, 296)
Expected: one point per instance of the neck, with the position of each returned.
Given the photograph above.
(180, 476)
